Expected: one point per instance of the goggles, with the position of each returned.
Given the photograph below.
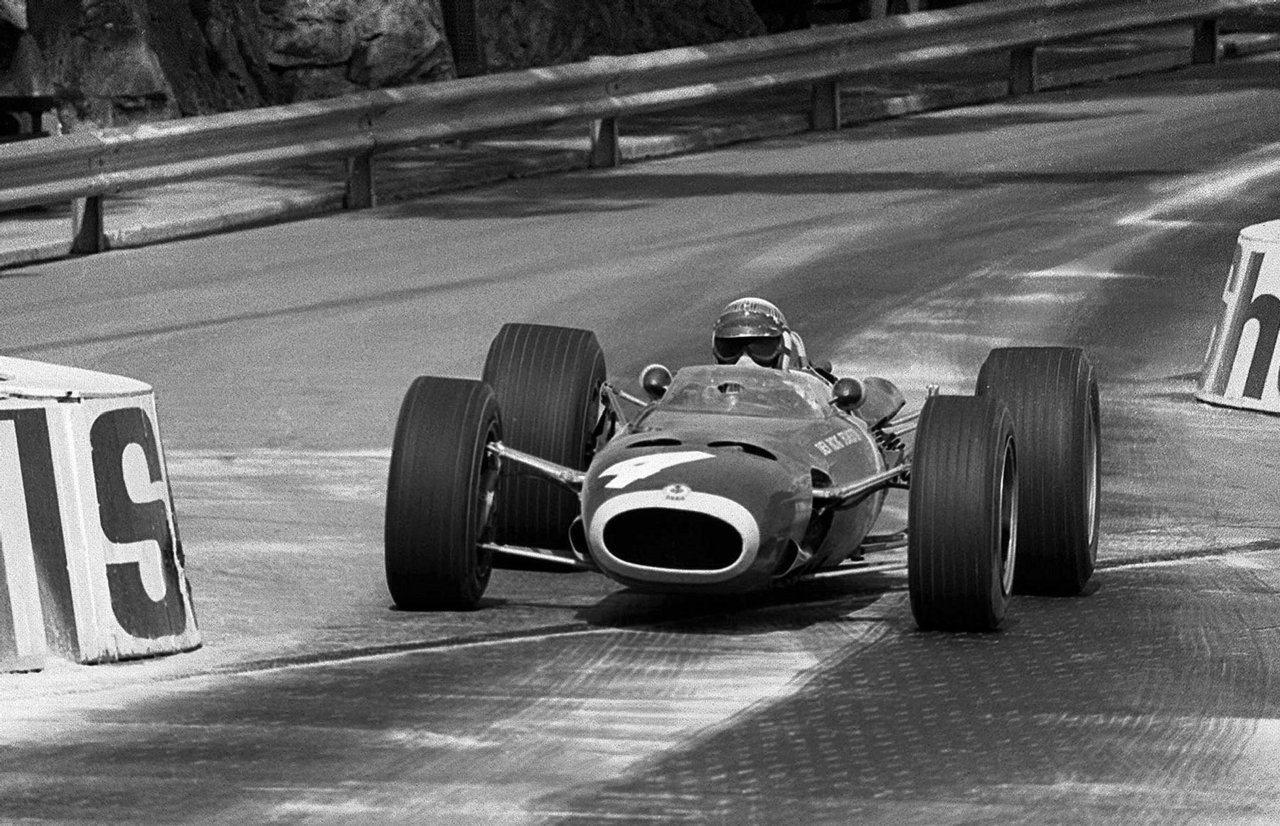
(762, 350)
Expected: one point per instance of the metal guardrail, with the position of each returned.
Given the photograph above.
(88, 167)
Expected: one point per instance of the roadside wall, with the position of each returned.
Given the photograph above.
(114, 62)
(519, 34)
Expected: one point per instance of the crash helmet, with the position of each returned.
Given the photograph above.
(752, 327)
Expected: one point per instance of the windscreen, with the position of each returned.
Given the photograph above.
(746, 391)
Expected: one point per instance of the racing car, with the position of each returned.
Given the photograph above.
(726, 478)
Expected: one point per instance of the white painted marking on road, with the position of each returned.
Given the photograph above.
(310, 808)
(804, 248)
(425, 648)
(1160, 563)
(346, 475)
(1245, 562)
(272, 454)
(1161, 223)
(436, 740)
(1038, 298)
(1095, 275)
(668, 816)
(1217, 186)
(1235, 559)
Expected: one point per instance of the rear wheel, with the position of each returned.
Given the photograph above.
(548, 381)
(440, 494)
(962, 542)
(1053, 396)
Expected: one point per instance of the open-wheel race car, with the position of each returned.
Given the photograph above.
(731, 478)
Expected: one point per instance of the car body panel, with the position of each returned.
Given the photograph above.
(711, 487)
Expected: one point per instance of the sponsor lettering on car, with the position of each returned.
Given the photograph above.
(839, 441)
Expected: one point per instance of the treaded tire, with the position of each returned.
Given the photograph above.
(440, 494)
(547, 380)
(1053, 396)
(962, 538)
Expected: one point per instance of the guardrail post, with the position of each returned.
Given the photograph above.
(605, 151)
(1022, 70)
(824, 106)
(88, 227)
(1204, 48)
(359, 194)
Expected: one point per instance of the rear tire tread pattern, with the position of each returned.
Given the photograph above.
(1050, 391)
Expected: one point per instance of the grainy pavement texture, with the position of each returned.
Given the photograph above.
(1101, 216)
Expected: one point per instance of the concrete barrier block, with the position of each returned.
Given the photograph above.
(22, 642)
(1242, 365)
(88, 515)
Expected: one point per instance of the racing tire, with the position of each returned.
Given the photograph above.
(962, 540)
(1053, 395)
(547, 380)
(440, 495)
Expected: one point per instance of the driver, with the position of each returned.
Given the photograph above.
(754, 330)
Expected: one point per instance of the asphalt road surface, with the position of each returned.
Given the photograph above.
(1103, 217)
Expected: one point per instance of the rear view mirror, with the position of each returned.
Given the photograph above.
(655, 379)
(847, 394)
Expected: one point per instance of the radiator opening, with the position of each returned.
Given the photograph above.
(677, 540)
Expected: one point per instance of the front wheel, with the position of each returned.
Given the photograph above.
(440, 495)
(962, 537)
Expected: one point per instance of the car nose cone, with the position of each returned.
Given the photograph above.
(693, 515)
(674, 535)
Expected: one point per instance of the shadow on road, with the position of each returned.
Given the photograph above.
(793, 607)
(1125, 706)
(608, 193)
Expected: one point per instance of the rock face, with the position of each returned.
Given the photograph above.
(518, 34)
(320, 48)
(116, 61)
(111, 62)
(89, 54)
(14, 44)
(211, 53)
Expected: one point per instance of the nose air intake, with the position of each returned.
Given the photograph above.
(673, 536)
(674, 540)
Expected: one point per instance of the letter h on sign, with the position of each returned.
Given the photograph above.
(1241, 364)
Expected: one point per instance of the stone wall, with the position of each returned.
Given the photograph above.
(320, 48)
(14, 45)
(119, 61)
(519, 34)
(112, 62)
(116, 61)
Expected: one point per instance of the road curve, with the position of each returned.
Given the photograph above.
(1103, 217)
